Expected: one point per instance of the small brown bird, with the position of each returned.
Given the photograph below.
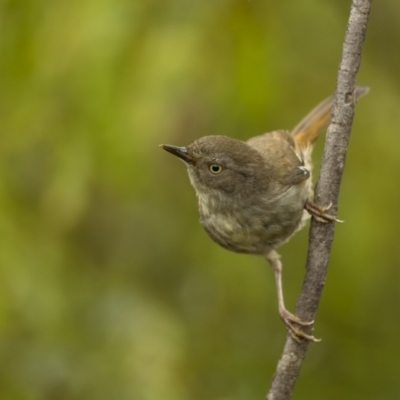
(254, 196)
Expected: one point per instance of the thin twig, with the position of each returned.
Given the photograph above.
(327, 191)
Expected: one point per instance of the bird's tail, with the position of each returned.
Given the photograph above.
(307, 130)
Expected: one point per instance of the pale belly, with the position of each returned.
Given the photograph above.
(255, 229)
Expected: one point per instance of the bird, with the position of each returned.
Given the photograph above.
(254, 195)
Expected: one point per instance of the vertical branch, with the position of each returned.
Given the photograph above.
(327, 191)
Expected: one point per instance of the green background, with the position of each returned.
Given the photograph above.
(109, 287)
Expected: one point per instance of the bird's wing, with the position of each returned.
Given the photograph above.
(282, 156)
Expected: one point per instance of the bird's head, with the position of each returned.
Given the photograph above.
(222, 165)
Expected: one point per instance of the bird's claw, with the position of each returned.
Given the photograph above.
(291, 320)
(319, 212)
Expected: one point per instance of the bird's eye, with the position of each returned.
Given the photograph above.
(215, 169)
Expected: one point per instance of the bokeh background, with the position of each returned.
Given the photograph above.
(109, 288)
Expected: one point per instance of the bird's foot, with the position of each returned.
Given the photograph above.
(291, 320)
(319, 212)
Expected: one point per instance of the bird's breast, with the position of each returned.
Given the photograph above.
(255, 225)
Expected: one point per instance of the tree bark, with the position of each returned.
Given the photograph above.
(327, 192)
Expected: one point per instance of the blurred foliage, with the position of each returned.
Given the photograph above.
(109, 288)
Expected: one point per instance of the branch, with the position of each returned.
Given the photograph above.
(327, 191)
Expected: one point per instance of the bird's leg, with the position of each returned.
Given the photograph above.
(319, 212)
(289, 319)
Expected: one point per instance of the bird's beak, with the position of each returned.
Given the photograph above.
(181, 152)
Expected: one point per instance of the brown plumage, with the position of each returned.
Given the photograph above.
(252, 195)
